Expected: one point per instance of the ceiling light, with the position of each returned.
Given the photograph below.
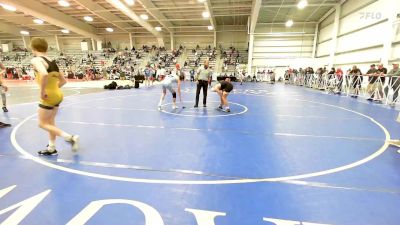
(144, 16)
(65, 31)
(109, 29)
(8, 7)
(302, 4)
(206, 14)
(38, 21)
(289, 23)
(130, 2)
(88, 18)
(24, 32)
(158, 28)
(63, 3)
(201, 1)
(210, 27)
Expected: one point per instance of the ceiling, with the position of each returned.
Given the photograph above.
(176, 16)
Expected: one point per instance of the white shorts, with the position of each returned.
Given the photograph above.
(168, 87)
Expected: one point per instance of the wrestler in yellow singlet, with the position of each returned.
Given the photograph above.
(54, 93)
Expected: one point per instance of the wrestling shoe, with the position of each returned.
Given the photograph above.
(47, 152)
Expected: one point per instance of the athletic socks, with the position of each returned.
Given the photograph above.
(74, 141)
(52, 146)
(66, 136)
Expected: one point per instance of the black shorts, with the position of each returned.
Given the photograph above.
(48, 107)
(226, 86)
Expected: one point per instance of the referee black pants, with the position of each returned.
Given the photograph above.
(202, 84)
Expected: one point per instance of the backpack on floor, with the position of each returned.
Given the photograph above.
(113, 85)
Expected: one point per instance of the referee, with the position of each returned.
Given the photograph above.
(203, 80)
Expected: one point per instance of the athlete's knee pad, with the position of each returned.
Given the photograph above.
(174, 95)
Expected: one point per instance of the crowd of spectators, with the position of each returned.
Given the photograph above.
(375, 84)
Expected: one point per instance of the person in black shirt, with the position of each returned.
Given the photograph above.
(356, 81)
(381, 72)
(331, 73)
(223, 88)
(373, 77)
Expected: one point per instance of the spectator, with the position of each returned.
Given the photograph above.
(339, 77)
(203, 79)
(372, 86)
(394, 83)
(356, 81)
(381, 72)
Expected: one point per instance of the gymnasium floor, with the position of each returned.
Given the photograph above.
(285, 155)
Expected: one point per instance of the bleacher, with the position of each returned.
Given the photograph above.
(158, 56)
(192, 57)
(13, 59)
(232, 59)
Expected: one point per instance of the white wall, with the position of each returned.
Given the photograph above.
(362, 32)
(280, 46)
(293, 62)
(228, 39)
(71, 43)
(192, 41)
(396, 52)
(325, 36)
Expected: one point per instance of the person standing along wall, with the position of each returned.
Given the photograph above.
(394, 83)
